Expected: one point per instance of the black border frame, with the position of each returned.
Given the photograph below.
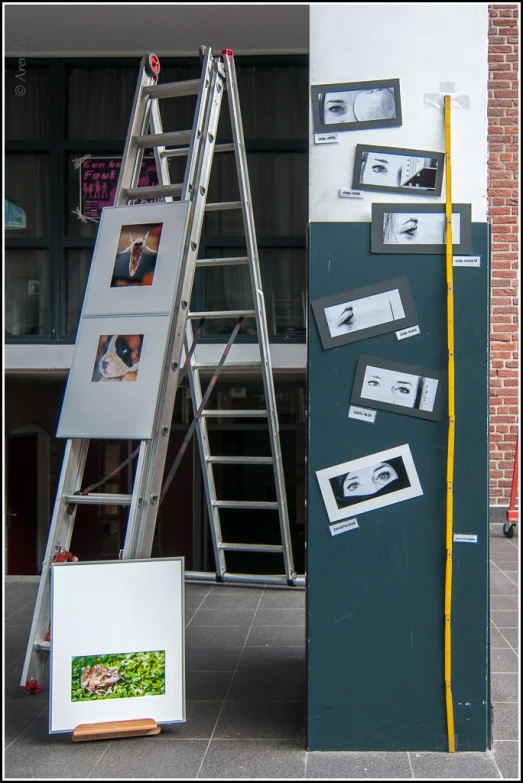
(361, 148)
(319, 305)
(369, 361)
(321, 89)
(379, 246)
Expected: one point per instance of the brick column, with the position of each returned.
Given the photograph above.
(503, 168)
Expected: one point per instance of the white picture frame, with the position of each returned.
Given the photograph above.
(93, 409)
(146, 613)
(405, 486)
(118, 226)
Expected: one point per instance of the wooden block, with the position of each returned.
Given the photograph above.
(115, 729)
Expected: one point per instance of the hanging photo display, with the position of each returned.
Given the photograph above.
(419, 228)
(99, 178)
(399, 388)
(356, 105)
(129, 663)
(369, 483)
(364, 312)
(136, 259)
(398, 170)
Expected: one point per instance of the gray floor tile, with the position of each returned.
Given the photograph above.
(53, 760)
(281, 617)
(262, 720)
(283, 599)
(20, 713)
(207, 686)
(228, 589)
(503, 587)
(504, 602)
(267, 686)
(222, 600)
(349, 765)
(146, 758)
(216, 637)
(506, 755)
(504, 661)
(200, 721)
(511, 635)
(508, 619)
(497, 638)
(506, 722)
(223, 618)
(221, 659)
(263, 636)
(504, 687)
(454, 765)
(250, 759)
(272, 659)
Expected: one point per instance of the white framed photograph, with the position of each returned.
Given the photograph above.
(124, 663)
(114, 380)
(368, 483)
(136, 259)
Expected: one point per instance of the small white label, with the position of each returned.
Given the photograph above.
(466, 261)
(349, 193)
(363, 414)
(343, 527)
(410, 331)
(326, 138)
(465, 539)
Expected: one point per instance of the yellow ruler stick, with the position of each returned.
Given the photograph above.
(451, 432)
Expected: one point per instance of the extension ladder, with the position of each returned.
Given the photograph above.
(198, 146)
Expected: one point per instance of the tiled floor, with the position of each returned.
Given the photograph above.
(245, 687)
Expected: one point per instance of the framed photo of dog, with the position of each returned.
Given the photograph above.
(136, 259)
(113, 384)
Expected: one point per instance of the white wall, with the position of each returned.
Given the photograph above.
(423, 45)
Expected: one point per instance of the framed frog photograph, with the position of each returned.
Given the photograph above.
(114, 654)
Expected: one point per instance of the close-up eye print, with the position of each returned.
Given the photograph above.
(356, 105)
(420, 228)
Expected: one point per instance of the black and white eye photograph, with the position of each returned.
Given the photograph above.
(365, 312)
(398, 170)
(420, 228)
(368, 483)
(356, 105)
(398, 388)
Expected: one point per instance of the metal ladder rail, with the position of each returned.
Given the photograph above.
(213, 503)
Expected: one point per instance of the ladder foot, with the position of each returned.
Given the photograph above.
(33, 686)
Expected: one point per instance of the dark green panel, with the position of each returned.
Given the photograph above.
(375, 594)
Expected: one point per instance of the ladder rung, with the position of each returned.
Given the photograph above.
(224, 314)
(211, 366)
(234, 260)
(163, 139)
(99, 499)
(265, 504)
(223, 205)
(224, 148)
(156, 191)
(177, 153)
(235, 413)
(252, 547)
(42, 646)
(218, 460)
(173, 89)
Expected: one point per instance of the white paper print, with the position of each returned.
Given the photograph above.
(349, 193)
(410, 331)
(326, 138)
(364, 313)
(465, 538)
(363, 414)
(473, 261)
(343, 527)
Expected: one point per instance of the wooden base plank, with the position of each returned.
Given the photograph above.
(115, 729)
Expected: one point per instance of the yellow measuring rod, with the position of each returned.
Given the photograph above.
(451, 432)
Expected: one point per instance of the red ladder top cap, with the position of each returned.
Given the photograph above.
(228, 52)
(154, 63)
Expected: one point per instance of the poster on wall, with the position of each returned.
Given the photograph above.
(398, 388)
(114, 380)
(136, 259)
(419, 228)
(364, 312)
(369, 483)
(356, 105)
(99, 178)
(129, 662)
(398, 170)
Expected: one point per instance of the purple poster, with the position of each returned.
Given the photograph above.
(98, 180)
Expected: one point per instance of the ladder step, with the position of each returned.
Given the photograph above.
(173, 89)
(156, 191)
(252, 547)
(41, 646)
(181, 151)
(263, 504)
(163, 139)
(235, 413)
(223, 205)
(217, 460)
(98, 499)
(211, 366)
(224, 314)
(234, 260)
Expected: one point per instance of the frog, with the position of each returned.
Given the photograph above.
(95, 678)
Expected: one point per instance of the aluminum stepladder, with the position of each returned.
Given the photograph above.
(198, 145)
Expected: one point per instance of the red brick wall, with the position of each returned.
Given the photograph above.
(503, 167)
